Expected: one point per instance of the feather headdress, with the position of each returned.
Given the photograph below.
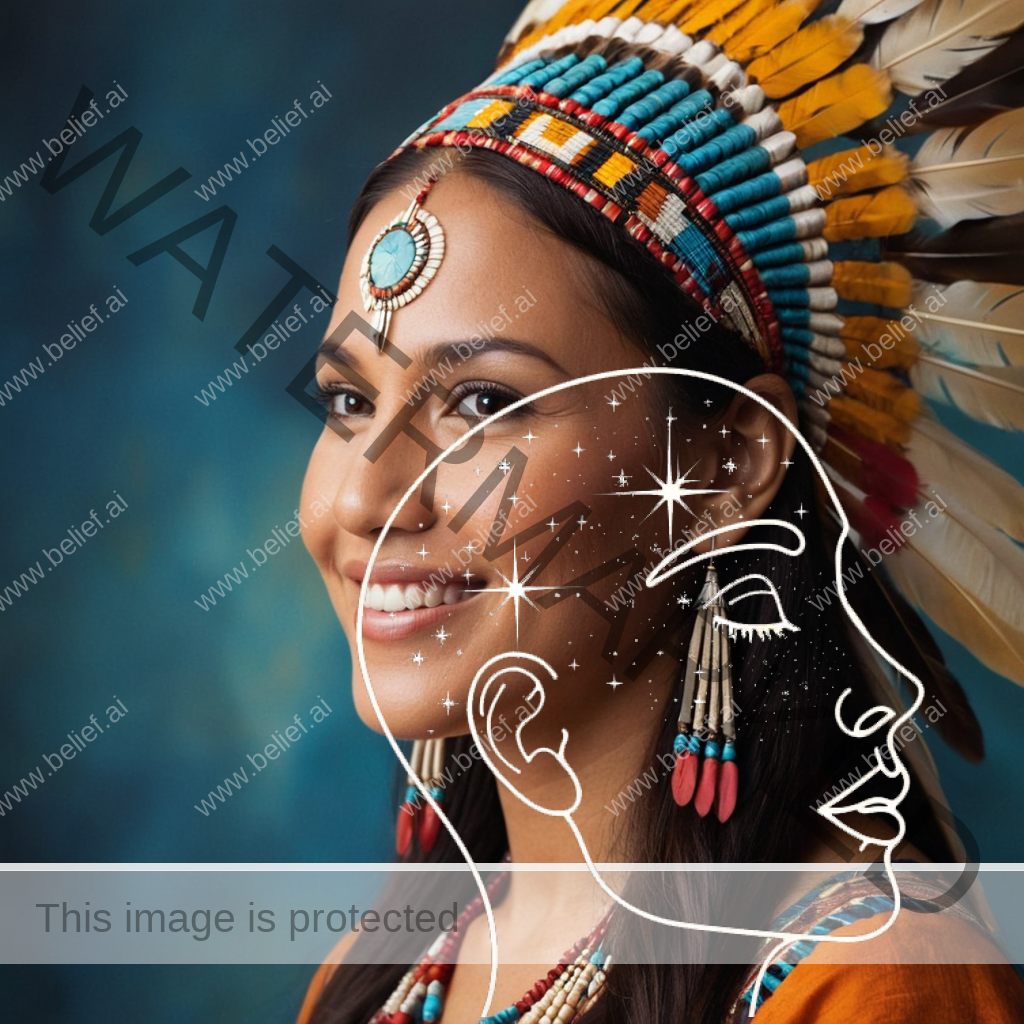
(694, 126)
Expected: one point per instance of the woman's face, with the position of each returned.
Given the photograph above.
(511, 311)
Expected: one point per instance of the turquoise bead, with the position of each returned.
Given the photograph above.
(794, 276)
(576, 76)
(757, 189)
(392, 258)
(611, 79)
(779, 256)
(789, 297)
(432, 1008)
(539, 79)
(627, 93)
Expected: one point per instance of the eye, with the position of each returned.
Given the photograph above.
(477, 401)
(343, 403)
(759, 586)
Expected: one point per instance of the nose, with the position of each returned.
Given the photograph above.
(367, 492)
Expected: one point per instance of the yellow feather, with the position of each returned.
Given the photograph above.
(863, 337)
(836, 105)
(994, 395)
(873, 424)
(770, 29)
(708, 14)
(886, 393)
(889, 212)
(887, 284)
(737, 21)
(856, 170)
(812, 53)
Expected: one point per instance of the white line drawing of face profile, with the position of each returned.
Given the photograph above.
(866, 725)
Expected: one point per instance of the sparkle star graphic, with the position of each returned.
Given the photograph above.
(801, 511)
(671, 490)
(730, 466)
(423, 552)
(614, 403)
(622, 478)
(578, 450)
(504, 466)
(418, 658)
(683, 601)
(441, 635)
(447, 508)
(448, 703)
(611, 456)
(552, 524)
(529, 437)
(613, 682)
(515, 590)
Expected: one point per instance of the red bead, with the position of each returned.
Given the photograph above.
(429, 828)
(728, 785)
(684, 778)
(404, 828)
(705, 797)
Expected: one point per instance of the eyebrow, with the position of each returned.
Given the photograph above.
(434, 354)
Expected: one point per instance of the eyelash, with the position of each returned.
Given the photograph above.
(749, 629)
(326, 393)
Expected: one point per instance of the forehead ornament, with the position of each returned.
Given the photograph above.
(399, 263)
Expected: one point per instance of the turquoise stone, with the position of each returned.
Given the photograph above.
(392, 258)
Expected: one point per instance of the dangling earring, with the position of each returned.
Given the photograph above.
(707, 697)
(426, 761)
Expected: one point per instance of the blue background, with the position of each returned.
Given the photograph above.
(203, 484)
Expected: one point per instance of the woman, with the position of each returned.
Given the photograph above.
(486, 282)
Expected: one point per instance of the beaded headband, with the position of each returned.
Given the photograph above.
(709, 192)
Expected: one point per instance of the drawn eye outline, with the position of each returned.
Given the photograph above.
(746, 629)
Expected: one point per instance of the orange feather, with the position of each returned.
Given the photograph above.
(708, 14)
(769, 29)
(875, 215)
(837, 105)
(855, 170)
(887, 284)
(864, 421)
(809, 56)
(737, 21)
(886, 393)
(864, 337)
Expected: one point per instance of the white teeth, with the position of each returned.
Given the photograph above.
(397, 598)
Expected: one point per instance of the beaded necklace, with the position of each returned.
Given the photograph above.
(561, 996)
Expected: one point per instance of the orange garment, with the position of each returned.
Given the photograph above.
(901, 977)
(897, 978)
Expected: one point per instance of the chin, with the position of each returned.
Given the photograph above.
(412, 712)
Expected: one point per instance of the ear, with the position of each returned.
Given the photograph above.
(757, 445)
(502, 746)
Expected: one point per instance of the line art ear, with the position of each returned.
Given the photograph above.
(489, 685)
